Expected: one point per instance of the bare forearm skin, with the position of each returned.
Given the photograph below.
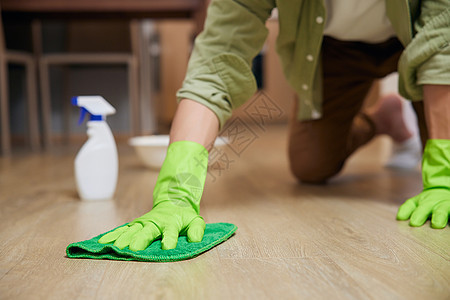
(194, 122)
(437, 110)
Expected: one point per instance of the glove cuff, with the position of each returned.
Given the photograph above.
(182, 176)
(436, 164)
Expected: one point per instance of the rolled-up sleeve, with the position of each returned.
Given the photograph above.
(219, 72)
(426, 60)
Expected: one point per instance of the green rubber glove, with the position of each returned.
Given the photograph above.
(434, 200)
(176, 202)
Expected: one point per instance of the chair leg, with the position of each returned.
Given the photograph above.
(33, 123)
(36, 35)
(133, 88)
(4, 109)
(67, 107)
(147, 112)
(46, 102)
(133, 78)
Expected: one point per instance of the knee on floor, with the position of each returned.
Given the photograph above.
(311, 170)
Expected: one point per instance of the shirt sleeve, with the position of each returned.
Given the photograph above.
(426, 60)
(219, 72)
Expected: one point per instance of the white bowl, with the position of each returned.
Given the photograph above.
(151, 149)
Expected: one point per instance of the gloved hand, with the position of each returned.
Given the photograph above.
(434, 200)
(176, 202)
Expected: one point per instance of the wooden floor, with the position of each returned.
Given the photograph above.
(339, 241)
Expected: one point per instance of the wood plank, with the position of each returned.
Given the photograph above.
(294, 241)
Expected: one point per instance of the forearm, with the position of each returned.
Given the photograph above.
(434, 200)
(437, 110)
(194, 122)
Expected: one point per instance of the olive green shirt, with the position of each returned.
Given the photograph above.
(219, 73)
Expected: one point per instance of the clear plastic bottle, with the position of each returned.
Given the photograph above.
(96, 164)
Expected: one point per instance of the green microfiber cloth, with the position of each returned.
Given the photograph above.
(215, 233)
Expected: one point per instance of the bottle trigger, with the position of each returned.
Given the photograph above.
(82, 115)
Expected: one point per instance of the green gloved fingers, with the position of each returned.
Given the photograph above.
(196, 230)
(170, 237)
(166, 221)
(176, 202)
(145, 237)
(434, 200)
(125, 238)
(112, 236)
(440, 215)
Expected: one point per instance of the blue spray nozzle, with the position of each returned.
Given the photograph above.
(96, 106)
(83, 112)
(92, 118)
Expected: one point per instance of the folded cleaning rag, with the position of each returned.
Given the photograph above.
(215, 233)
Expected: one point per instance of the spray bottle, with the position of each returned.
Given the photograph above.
(96, 164)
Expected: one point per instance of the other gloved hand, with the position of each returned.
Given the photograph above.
(434, 200)
(176, 202)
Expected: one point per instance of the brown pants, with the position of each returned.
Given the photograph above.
(319, 148)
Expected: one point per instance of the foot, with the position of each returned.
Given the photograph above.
(387, 116)
(406, 155)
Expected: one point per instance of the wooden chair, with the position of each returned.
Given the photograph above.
(27, 60)
(129, 59)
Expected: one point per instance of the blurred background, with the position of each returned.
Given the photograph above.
(134, 53)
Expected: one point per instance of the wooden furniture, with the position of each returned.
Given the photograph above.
(133, 10)
(27, 60)
(156, 9)
(130, 60)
